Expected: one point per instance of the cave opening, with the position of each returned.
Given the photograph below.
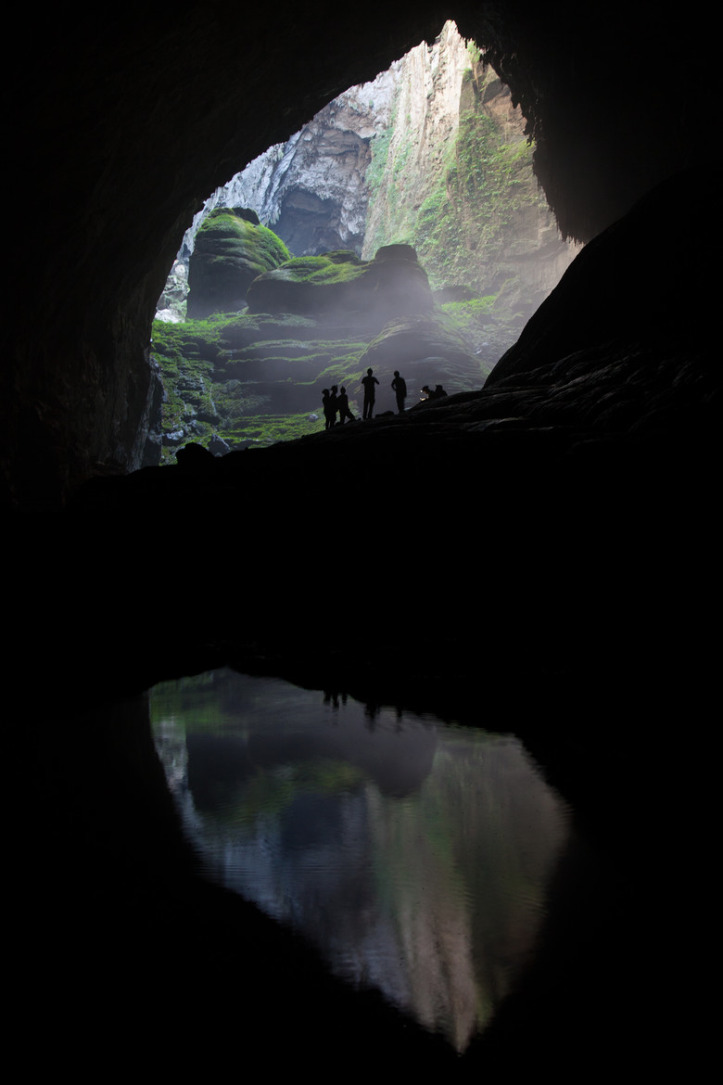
(599, 148)
(431, 160)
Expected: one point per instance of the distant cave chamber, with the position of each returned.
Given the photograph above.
(312, 225)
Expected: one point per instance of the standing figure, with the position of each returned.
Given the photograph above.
(344, 411)
(400, 390)
(329, 409)
(334, 403)
(369, 394)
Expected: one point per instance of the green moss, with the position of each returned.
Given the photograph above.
(225, 236)
(472, 309)
(474, 52)
(266, 429)
(229, 253)
(340, 266)
(465, 221)
(380, 155)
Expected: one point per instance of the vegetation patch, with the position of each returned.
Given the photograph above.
(268, 429)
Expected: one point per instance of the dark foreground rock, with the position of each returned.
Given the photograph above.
(632, 322)
(563, 605)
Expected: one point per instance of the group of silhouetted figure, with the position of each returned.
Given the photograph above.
(336, 406)
(336, 401)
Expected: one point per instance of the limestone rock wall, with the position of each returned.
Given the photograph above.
(454, 177)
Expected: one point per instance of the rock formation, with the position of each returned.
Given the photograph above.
(392, 284)
(232, 248)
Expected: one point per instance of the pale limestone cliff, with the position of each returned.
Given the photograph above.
(453, 176)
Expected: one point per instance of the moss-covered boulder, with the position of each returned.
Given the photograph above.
(230, 251)
(391, 284)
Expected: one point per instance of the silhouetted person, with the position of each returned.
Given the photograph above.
(400, 390)
(334, 403)
(344, 411)
(437, 393)
(369, 393)
(329, 409)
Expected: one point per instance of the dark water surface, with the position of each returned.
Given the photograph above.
(415, 854)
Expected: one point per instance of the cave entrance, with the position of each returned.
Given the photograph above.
(431, 158)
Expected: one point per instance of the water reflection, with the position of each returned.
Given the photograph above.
(413, 853)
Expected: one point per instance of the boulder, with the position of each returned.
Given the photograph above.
(394, 283)
(230, 251)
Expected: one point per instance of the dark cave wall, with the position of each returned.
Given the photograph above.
(615, 96)
(120, 126)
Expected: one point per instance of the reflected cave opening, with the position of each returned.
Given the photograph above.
(416, 855)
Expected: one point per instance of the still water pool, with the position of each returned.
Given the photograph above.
(414, 853)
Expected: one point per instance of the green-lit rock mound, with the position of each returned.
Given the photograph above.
(393, 283)
(231, 249)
